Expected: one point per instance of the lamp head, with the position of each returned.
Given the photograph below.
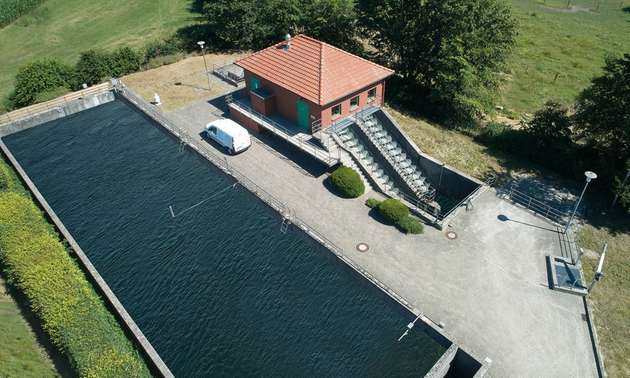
(201, 44)
(590, 176)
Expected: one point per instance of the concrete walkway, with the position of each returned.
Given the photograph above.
(489, 286)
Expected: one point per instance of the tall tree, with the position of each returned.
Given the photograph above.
(451, 49)
(603, 110)
(250, 24)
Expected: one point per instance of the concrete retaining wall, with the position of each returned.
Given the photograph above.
(68, 108)
(445, 179)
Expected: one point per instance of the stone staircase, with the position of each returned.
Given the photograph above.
(390, 150)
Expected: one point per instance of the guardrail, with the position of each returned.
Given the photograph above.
(538, 207)
(56, 103)
(284, 133)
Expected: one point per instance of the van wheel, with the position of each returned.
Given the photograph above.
(228, 150)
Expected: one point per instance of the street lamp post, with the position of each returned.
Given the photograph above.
(589, 176)
(202, 45)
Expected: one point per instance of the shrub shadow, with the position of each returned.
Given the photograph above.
(59, 360)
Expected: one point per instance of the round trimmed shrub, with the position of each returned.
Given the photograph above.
(393, 210)
(348, 182)
(410, 225)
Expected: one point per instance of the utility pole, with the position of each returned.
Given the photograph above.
(202, 45)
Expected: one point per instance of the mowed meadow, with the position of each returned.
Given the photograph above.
(64, 28)
(559, 49)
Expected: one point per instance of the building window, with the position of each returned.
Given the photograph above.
(371, 94)
(354, 102)
(336, 111)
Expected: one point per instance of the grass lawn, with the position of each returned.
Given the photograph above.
(570, 44)
(611, 296)
(64, 28)
(20, 354)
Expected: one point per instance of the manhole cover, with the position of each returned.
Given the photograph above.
(451, 235)
(363, 247)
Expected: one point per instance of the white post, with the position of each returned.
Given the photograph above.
(598, 272)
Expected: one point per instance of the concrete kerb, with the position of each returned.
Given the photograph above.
(599, 358)
(156, 362)
(287, 214)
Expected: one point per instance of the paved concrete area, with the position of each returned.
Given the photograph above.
(489, 286)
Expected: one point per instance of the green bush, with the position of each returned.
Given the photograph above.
(170, 46)
(51, 94)
(348, 182)
(93, 66)
(71, 312)
(372, 203)
(38, 77)
(5, 179)
(163, 60)
(393, 210)
(10, 10)
(410, 225)
(124, 60)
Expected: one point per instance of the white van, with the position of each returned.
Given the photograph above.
(233, 137)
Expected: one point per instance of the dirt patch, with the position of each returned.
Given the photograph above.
(181, 83)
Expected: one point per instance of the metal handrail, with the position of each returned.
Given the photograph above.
(537, 206)
(424, 196)
(280, 129)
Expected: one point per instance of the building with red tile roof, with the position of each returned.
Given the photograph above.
(309, 83)
(314, 70)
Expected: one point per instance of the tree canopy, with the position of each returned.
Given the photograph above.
(603, 110)
(450, 49)
(250, 24)
(37, 77)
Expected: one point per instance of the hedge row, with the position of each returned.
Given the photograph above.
(396, 213)
(10, 10)
(48, 78)
(72, 313)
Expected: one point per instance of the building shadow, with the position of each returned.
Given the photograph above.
(286, 151)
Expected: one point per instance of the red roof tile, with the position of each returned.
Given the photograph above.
(314, 70)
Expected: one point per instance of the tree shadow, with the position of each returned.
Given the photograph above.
(59, 360)
(626, 9)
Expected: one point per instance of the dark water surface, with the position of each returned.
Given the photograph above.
(218, 290)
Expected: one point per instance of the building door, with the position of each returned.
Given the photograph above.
(254, 83)
(302, 115)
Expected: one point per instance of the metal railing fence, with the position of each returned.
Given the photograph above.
(285, 133)
(537, 206)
